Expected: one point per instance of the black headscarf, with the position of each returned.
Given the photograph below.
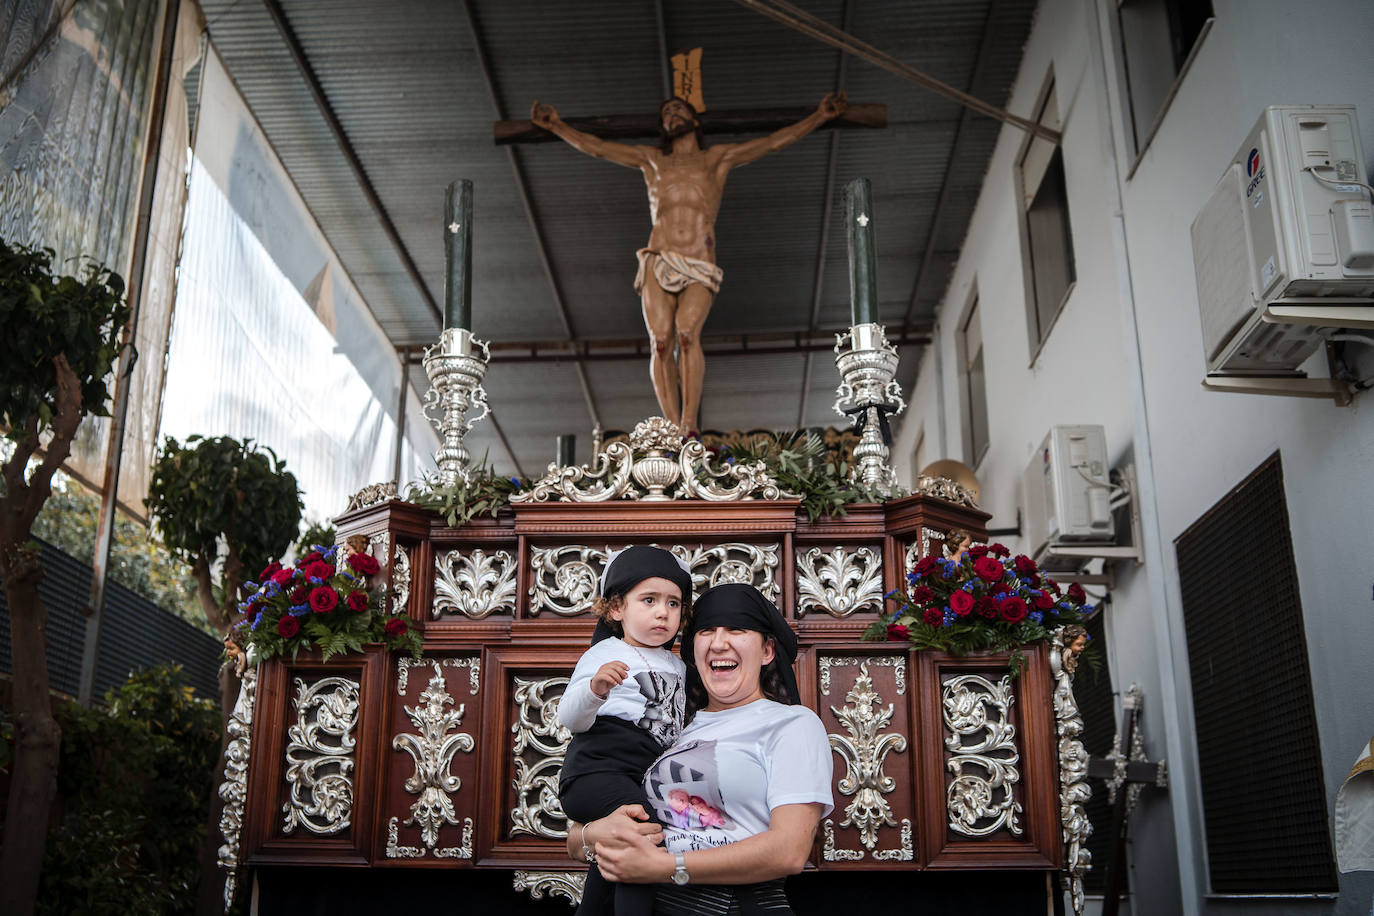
(632, 566)
(743, 607)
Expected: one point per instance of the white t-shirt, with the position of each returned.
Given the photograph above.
(651, 696)
(730, 769)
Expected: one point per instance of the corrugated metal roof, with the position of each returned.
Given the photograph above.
(405, 82)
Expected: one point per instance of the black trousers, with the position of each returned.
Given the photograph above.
(586, 798)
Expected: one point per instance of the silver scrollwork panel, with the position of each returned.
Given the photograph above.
(474, 584)
(839, 582)
(537, 750)
(234, 789)
(319, 756)
(1074, 789)
(982, 755)
(565, 884)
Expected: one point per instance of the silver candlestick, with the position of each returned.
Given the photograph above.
(867, 363)
(455, 366)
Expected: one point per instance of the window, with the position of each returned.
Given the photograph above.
(1048, 236)
(1158, 39)
(1259, 758)
(974, 387)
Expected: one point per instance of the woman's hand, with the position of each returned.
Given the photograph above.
(627, 847)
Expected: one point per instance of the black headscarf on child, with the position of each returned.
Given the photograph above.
(743, 607)
(632, 566)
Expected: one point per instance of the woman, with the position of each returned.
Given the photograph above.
(754, 764)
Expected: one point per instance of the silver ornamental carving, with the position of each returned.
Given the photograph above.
(864, 752)
(983, 756)
(946, 489)
(832, 853)
(537, 751)
(471, 662)
(456, 366)
(867, 364)
(657, 464)
(371, 495)
(752, 564)
(896, 662)
(565, 884)
(432, 748)
(1074, 789)
(932, 545)
(839, 582)
(319, 756)
(565, 580)
(476, 584)
(400, 580)
(234, 789)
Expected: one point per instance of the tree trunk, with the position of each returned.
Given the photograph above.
(33, 781)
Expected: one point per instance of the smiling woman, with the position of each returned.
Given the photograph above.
(741, 791)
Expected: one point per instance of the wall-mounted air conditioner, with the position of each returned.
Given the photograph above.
(1284, 247)
(1067, 493)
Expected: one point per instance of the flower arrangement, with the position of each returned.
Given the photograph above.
(317, 604)
(981, 598)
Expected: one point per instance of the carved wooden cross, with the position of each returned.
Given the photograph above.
(1126, 771)
(737, 121)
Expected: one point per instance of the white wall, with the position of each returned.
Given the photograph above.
(1126, 353)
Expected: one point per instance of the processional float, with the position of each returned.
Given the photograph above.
(451, 760)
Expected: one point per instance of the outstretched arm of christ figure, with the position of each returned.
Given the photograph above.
(546, 116)
(832, 106)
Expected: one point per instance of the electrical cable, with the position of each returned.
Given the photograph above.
(1312, 170)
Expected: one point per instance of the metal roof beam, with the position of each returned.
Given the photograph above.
(832, 157)
(522, 189)
(955, 149)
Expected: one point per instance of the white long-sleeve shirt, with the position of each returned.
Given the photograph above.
(651, 696)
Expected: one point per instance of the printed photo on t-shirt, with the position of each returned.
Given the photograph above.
(663, 705)
(683, 787)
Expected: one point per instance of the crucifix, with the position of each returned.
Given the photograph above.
(1126, 771)
(678, 276)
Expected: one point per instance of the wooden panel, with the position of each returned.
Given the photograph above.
(863, 694)
(429, 786)
(313, 775)
(986, 764)
(521, 824)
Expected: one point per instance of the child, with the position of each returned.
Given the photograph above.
(624, 704)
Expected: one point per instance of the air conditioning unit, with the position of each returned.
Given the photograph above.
(1289, 224)
(1067, 493)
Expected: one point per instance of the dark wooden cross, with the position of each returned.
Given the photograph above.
(738, 121)
(1126, 771)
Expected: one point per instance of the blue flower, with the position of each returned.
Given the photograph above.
(967, 587)
(273, 590)
(250, 586)
(1086, 610)
(890, 594)
(329, 554)
(516, 482)
(298, 610)
(1037, 616)
(257, 620)
(348, 575)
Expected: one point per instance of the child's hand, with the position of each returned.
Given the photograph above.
(607, 676)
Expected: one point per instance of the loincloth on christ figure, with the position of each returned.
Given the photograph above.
(675, 272)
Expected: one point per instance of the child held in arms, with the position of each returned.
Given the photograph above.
(624, 704)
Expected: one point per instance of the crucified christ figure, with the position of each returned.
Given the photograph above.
(678, 277)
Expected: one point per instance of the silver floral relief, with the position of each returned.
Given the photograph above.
(832, 853)
(932, 545)
(752, 564)
(537, 750)
(565, 884)
(400, 580)
(896, 662)
(565, 580)
(840, 581)
(983, 756)
(475, 584)
(432, 747)
(319, 756)
(864, 752)
(912, 555)
(1074, 789)
(234, 789)
(471, 662)
(902, 853)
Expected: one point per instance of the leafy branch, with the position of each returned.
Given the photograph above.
(800, 462)
(483, 493)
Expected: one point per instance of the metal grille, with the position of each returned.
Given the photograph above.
(1262, 785)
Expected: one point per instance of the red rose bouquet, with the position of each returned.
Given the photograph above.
(318, 604)
(984, 599)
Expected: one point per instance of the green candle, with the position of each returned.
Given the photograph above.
(863, 262)
(458, 255)
(566, 450)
